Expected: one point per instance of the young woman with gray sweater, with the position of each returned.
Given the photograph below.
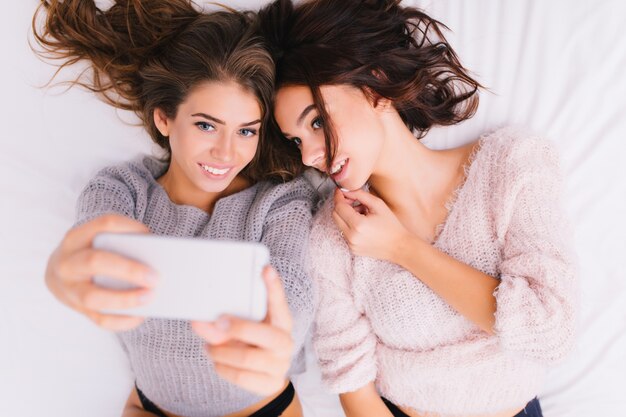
(202, 84)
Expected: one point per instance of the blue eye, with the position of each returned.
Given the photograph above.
(247, 132)
(204, 126)
(317, 123)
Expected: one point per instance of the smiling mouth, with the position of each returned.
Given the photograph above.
(338, 167)
(215, 171)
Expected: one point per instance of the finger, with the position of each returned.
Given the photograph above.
(278, 313)
(114, 322)
(348, 214)
(340, 198)
(248, 358)
(83, 235)
(86, 263)
(365, 198)
(257, 382)
(228, 328)
(90, 296)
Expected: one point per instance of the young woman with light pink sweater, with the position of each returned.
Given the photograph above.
(450, 289)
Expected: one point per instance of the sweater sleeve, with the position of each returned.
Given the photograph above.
(343, 338)
(106, 193)
(286, 233)
(536, 298)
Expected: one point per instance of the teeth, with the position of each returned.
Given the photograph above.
(337, 167)
(215, 171)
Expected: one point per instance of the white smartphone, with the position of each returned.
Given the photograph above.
(199, 279)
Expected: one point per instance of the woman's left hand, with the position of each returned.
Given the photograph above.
(370, 229)
(254, 355)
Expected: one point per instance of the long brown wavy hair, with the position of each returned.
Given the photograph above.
(149, 54)
(387, 50)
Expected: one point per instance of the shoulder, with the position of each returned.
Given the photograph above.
(518, 148)
(138, 173)
(330, 255)
(277, 196)
(324, 232)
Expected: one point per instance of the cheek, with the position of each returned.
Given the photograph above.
(249, 150)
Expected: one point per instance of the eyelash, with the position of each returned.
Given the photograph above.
(253, 132)
(204, 126)
(201, 124)
(317, 120)
(297, 141)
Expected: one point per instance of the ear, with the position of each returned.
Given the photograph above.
(377, 101)
(161, 122)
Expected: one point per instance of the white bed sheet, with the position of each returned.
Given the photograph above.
(557, 67)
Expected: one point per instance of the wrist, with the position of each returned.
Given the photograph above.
(406, 250)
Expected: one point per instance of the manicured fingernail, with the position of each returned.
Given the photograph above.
(223, 324)
(345, 190)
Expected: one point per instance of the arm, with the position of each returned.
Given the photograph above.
(105, 205)
(537, 295)
(343, 338)
(74, 262)
(286, 234)
(259, 356)
(364, 402)
(534, 299)
(379, 234)
(466, 289)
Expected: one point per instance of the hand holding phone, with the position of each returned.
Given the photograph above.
(199, 279)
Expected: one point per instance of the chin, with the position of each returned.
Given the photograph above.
(214, 186)
(352, 185)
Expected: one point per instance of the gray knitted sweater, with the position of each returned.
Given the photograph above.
(166, 357)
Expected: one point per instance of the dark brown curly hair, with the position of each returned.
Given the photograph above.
(387, 50)
(148, 54)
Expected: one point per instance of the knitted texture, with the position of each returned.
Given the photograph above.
(166, 357)
(377, 322)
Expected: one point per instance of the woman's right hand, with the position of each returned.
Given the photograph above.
(74, 262)
(254, 355)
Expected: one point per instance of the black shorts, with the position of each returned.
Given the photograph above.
(273, 409)
(532, 409)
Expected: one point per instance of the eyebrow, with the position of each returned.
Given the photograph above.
(306, 111)
(216, 120)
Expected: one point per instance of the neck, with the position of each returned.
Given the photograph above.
(182, 191)
(404, 167)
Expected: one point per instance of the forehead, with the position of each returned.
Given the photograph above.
(223, 98)
(292, 99)
(290, 95)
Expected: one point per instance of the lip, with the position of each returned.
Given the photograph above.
(216, 166)
(343, 173)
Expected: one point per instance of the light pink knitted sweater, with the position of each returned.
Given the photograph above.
(376, 321)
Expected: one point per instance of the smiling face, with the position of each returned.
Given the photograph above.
(213, 136)
(357, 125)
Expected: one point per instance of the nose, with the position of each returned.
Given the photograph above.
(314, 152)
(223, 149)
